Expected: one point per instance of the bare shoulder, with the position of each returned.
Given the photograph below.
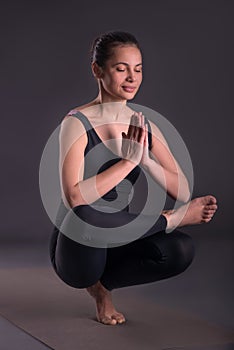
(83, 108)
(75, 110)
(73, 126)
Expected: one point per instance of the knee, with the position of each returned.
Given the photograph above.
(78, 283)
(77, 280)
(183, 251)
(77, 265)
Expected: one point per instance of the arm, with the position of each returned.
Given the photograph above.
(75, 190)
(163, 167)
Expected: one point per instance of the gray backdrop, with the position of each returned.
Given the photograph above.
(45, 71)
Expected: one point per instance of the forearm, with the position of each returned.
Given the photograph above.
(91, 189)
(176, 185)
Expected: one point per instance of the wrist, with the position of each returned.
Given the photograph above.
(128, 163)
(146, 163)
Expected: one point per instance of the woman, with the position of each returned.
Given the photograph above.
(117, 67)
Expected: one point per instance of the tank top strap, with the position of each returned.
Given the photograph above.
(93, 138)
(82, 118)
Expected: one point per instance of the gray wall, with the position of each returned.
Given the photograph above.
(45, 71)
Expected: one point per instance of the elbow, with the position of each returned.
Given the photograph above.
(74, 201)
(74, 197)
(82, 194)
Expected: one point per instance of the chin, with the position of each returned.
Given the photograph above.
(129, 96)
(124, 97)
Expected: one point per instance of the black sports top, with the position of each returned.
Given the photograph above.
(98, 158)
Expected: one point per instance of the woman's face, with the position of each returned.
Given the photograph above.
(122, 74)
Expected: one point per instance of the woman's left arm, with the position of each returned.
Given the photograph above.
(162, 166)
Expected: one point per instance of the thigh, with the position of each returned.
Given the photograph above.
(175, 241)
(175, 249)
(122, 254)
(109, 228)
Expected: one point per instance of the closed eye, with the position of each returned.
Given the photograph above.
(123, 70)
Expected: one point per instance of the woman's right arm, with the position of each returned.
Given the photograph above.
(75, 190)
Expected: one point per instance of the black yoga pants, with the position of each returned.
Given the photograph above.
(154, 257)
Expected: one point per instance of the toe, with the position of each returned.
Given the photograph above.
(108, 320)
(206, 219)
(209, 212)
(207, 215)
(211, 207)
(119, 319)
(212, 199)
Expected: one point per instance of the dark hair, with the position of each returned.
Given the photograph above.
(101, 49)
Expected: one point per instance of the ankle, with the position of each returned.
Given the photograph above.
(98, 291)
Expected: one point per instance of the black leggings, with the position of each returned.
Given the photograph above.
(154, 257)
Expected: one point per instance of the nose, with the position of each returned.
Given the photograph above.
(131, 76)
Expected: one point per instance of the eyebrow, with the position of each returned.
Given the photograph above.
(126, 64)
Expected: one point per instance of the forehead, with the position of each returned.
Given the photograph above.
(126, 53)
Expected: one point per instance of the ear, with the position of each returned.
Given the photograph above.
(97, 70)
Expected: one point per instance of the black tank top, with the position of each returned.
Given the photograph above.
(99, 158)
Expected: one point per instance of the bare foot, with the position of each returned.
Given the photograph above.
(197, 211)
(105, 310)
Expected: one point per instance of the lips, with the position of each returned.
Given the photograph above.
(129, 88)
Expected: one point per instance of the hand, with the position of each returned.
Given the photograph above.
(145, 154)
(133, 142)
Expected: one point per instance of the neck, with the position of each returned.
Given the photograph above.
(109, 108)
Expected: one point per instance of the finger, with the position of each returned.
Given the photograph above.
(140, 124)
(145, 141)
(146, 136)
(137, 125)
(142, 119)
(131, 128)
(141, 135)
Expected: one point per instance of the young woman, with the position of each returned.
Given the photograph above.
(156, 255)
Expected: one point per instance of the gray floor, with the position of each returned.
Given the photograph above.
(11, 337)
(20, 255)
(205, 289)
